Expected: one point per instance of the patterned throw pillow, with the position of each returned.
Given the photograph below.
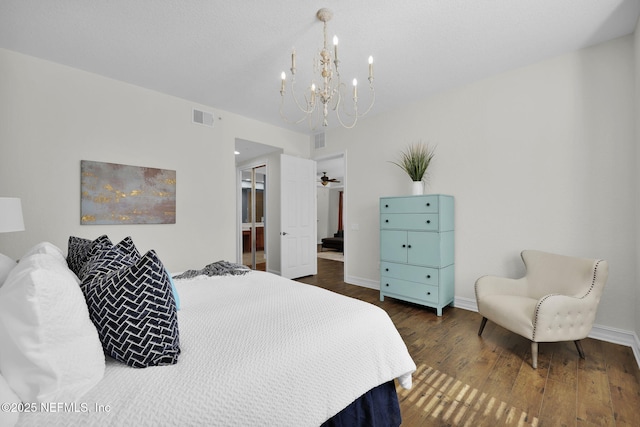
(104, 261)
(104, 258)
(78, 251)
(134, 312)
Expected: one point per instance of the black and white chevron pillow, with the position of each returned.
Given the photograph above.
(135, 314)
(105, 258)
(78, 250)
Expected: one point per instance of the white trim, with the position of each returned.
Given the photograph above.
(465, 303)
(365, 283)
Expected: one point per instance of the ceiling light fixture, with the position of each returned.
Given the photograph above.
(331, 91)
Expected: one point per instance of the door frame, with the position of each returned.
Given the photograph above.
(345, 202)
(258, 162)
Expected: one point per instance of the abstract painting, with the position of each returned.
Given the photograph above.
(122, 194)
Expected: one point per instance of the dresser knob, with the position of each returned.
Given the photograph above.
(404, 246)
(428, 276)
(428, 221)
(428, 204)
(409, 246)
(428, 293)
(386, 220)
(387, 284)
(386, 269)
(386, 206)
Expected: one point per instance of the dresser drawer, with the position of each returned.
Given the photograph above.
(426, 293)
(412, 273)
(413, 204)
(422, 222)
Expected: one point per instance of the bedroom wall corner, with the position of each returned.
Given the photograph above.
(636, 51)
(538, 157)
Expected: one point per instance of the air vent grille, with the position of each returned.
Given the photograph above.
(202, 117)
(319, 140)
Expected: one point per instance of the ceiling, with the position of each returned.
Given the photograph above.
(229, 54)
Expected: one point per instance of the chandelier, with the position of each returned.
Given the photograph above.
(330, 92)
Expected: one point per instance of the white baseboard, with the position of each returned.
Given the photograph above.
(366, 283)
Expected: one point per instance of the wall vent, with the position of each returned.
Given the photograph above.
(319, 140)
(202, 117)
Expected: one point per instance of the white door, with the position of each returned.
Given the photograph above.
(297, 217)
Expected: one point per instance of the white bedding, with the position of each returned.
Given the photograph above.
(257, 350)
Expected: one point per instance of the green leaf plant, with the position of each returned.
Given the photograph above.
(415, 160)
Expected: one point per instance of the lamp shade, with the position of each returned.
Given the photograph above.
(10, 215)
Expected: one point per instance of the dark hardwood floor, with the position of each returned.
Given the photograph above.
(466, 380)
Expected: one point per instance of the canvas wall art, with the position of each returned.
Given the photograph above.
(121, 194)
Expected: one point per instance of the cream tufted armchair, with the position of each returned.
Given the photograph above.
(555, 301)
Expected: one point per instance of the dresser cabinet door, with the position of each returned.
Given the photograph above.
(423, 248)
(393, 245)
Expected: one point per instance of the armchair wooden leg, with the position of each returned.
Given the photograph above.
(482, 325)
(579, 347)
(534, 354)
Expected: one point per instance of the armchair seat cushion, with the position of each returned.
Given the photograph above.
(514, 313)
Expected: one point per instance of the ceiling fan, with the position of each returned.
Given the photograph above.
(325, 179)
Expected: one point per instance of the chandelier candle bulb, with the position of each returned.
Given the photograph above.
(293, 61)
(283, 76)
(335, 48)
(370, 68)
(355, 90)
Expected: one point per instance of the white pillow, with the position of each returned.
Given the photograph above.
(9, 417)
(46, 248)
(6, 265)
(50, 348)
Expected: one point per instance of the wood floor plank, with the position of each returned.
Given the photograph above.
(559, 404)
(467, 380)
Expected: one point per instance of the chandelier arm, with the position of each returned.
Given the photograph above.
(286, 119)
(373, 101)
(301, 119)
(310, 105)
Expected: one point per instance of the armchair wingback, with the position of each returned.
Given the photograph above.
(556, 300)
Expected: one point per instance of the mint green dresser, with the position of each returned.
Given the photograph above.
(417, 249)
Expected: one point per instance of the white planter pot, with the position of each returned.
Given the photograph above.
(418, 188)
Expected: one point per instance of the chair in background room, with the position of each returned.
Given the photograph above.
(555, 301)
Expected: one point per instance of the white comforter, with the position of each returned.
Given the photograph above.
(257, 350)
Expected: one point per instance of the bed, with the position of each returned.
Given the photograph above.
(253, 349)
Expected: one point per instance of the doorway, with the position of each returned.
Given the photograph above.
(332, 195)
(253, 196)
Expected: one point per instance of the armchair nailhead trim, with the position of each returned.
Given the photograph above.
(593, 283)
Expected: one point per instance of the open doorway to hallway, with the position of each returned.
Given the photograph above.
(331, 193)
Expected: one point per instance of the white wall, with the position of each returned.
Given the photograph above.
(541, 157)
(54, 116)
(322, 194)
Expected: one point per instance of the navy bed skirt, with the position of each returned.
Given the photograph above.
(378, 407)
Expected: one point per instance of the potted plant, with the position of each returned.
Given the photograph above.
(415, 161)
